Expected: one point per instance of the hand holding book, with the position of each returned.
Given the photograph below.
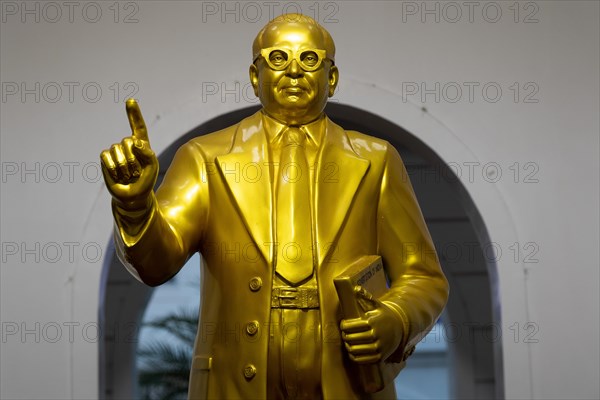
(375, 335)
(371, 330)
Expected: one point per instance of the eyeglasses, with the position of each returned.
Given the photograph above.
(279, 59)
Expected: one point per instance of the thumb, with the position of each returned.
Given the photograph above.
(365, 299)
(142, 150)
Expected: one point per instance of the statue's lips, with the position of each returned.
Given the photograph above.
(293, 89)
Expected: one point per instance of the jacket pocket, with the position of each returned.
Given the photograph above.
(199, 378)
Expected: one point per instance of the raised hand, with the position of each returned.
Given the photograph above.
(376, 335)
(130, 168)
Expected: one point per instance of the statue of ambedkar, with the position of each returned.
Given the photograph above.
(271, 325)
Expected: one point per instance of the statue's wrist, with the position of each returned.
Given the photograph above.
(136, 208)
(400, 319)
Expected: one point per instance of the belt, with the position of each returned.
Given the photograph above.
(294, 297)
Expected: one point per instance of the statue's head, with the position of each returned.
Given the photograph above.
(293, 71)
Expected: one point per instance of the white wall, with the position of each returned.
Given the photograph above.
(178, 51)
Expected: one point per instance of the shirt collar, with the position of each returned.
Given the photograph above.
(274, 129)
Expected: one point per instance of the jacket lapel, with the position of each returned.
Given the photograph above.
(339, 174)
(245, 169)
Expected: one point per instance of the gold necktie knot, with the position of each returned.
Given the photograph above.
(294, 136)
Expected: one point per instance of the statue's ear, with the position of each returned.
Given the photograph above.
(254, 78)
(334, 76)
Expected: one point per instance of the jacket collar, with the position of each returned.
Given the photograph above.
(275, 129)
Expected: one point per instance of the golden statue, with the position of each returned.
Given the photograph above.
(313, 201)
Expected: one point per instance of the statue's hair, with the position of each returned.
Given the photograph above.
(297, 19)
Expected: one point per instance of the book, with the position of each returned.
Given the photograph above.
(368, 273)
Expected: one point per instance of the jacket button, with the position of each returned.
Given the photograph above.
(252, 328)
(249, 371)
(255, 284)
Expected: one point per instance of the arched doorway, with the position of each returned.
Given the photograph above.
(472, 316)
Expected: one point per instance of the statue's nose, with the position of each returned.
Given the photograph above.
(294, 69)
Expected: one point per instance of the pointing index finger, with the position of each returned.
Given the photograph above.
(136, 121)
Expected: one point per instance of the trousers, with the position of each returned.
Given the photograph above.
(294, 362)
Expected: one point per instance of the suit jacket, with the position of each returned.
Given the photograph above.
(217, 198)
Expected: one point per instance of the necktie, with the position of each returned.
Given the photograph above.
(294, 240)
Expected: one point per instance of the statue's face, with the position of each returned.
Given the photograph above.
(292, 77)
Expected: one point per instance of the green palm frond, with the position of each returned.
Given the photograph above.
(166, 363)
(182, 324)
(164, 356)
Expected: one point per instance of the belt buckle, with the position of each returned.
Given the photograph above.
(288, 297)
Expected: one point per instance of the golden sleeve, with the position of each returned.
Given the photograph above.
(155, 243)
(418, 288)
